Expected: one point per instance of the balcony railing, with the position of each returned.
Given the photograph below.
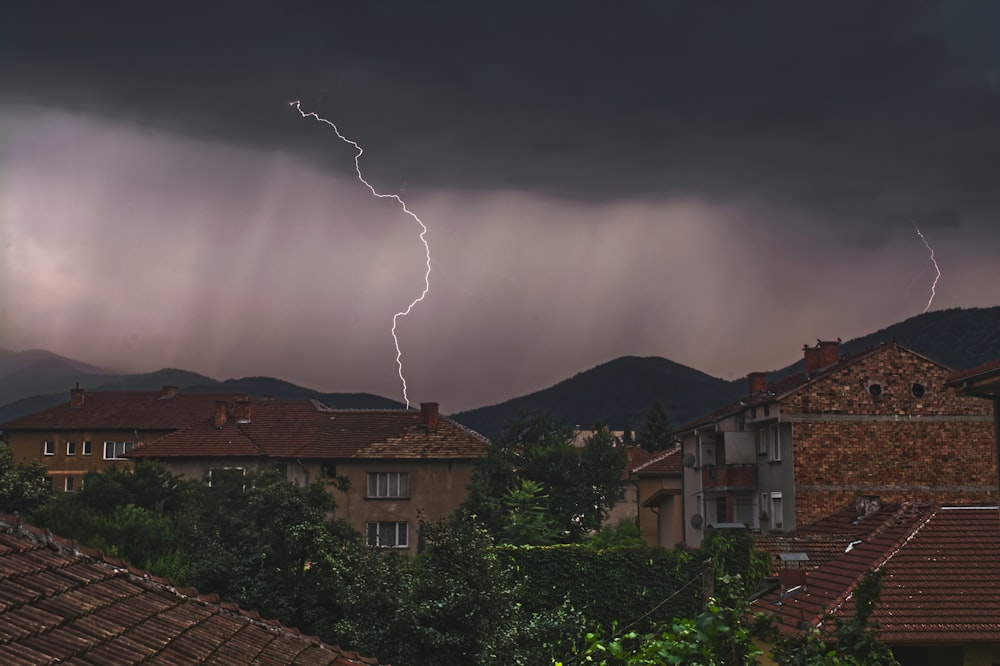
(729, 477)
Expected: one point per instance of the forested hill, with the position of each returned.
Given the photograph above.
(619, 393)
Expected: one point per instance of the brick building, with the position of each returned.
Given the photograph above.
(880, 424)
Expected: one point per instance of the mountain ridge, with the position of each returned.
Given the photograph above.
(617, 393)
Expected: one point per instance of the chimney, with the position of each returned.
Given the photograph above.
(168, 392)
(243, 409)
(829, 352)
(76, 397)
(812, 360)
(220, 414)
(792, 578)
(757, 382)
(429, 415)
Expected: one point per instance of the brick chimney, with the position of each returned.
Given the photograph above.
(812, 360)
(221, 415)
(76, 397)
(829, 352)
(168, 392)
(429, 415)
(757, 382)
(242, 411)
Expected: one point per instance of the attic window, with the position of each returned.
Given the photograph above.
(875, 389)
(918, 390)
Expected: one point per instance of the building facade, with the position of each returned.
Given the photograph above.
(880, 424)
(385, 468)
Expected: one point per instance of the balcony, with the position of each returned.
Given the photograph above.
(729, 477)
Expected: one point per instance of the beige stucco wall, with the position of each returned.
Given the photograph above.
(662, 526)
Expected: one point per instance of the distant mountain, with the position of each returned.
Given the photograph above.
(56, 374)
(36, 371)
(619, 393)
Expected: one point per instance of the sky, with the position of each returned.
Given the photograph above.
(717, 183)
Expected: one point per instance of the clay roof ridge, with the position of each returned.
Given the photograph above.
(657, 458)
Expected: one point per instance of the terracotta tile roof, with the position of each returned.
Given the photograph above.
(664, 462)
(826, 539)
(941, 579)
(114, 410)
(988, 368)
(309, 429)
(60, 602)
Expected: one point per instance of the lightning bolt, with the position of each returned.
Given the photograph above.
(402, 204)
(936, 267)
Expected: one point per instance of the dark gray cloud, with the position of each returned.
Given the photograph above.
(717, 183)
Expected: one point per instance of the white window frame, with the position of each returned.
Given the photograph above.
(68, 484)
(395, 532)
(388, 485)
(88, 447)
(118, 449)
(777, 511)
(48, 448)
(774, 439)
(71, 448)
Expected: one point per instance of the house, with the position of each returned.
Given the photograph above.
(880, 424)
(983, 382)
(398, 464)
(64, 603)
(626, 509)
(658, 481)
(95, 429)
(940, 586)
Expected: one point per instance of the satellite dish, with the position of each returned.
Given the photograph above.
(697, 521)
(688, 460)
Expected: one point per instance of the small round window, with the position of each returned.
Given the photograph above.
(918, 390)
(875, 389)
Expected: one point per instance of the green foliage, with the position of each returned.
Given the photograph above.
(638, 586)
(580, 484)
(625, 534)
(715, 637)
(732, 553)
(657, 433)
(526, 519)
(23, 488)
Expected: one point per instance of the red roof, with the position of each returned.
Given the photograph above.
(941, 579)
(309, 429)
(827, 538)
(665, 462)
(60, 602)
(115, 410)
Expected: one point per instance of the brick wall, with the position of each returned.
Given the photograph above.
(897, 441)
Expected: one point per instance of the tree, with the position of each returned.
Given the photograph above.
(23, 488)
(657, 433)
(580, 484)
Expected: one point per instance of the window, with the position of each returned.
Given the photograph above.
(875, 389)
(88, 448)
(918, 390)
(774, 436)
(777, 511)
(226, 477)
(720, 509)
(387, 534)
(49, 448)
(388, 484)
(71, 448)
(762, 442)
(69, 484)
(117, 450)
